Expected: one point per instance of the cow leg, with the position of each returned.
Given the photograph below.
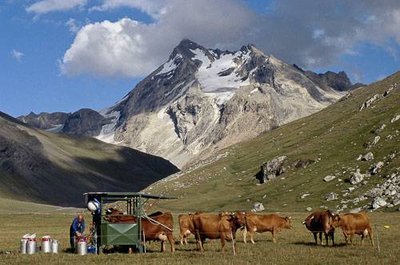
(351, 239)
(162, 246)
(245, 235)
(332, 233)
(171, 241)
(346, 238)
(197, 237)
(315, 238)
(202, 243)
(320, 238)
(252, 236)
(273, 232)
(222, 241)
(181, 237)
(370, 236)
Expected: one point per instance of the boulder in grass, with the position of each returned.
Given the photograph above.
(329, 178)
(271, 169)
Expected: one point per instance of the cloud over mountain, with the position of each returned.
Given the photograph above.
(46, 6)
(308, 33)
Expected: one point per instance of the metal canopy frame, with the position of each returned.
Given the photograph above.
(118, 233)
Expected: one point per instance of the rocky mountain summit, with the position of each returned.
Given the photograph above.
(201, 100)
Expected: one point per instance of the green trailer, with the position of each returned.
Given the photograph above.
(119, 234)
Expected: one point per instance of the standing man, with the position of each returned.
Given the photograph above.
(76, 229)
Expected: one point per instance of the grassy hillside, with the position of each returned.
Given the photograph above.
(333, 138)
(56, 169)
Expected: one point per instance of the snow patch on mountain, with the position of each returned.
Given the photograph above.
(107, 132)
(170, 65)
(214, 75)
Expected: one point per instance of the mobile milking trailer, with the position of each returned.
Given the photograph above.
(119, 234)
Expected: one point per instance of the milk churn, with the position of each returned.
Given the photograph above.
(24, 242)
(54, 246)
(81, 246)
(46, 244)
(31, 245)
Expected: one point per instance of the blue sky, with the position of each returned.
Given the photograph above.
(61, 55)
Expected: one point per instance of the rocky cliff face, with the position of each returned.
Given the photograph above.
(203, 99)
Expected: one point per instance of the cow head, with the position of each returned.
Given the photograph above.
(233, 220)
(241, 216)
(288, 222)
(336, 219)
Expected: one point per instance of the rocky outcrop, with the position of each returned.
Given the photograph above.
(375, 98)
(367, 157)
(85, 122)
(356, 177)
(271, 169)
(44, 120)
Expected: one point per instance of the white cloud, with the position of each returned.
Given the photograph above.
(46, 6)
(17, 55)
(154, 8)
(73, 25)
(129, 48)
(109, 49)
(309, 33)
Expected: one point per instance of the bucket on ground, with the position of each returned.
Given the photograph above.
(31, 245)
(81, 246)
(24, 242)
(46, 244)
(54, 246)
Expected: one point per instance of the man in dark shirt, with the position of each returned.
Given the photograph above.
(76, 229)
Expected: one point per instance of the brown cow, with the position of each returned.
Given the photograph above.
(262, 223)
(211, 226)
(320, 222)
(158, 226)
(186, 226)
(354, 223)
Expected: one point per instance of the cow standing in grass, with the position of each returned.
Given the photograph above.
(262, 223)
(186, 227)
(354, 223)
(320, 222)
(222, 226)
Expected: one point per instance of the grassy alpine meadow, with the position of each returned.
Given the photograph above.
(293, 246)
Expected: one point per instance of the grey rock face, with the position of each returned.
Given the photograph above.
(395, 118)
(45, 120)
(272, 169)
(378, 203)
(375, 169)
(331, 196)
(258, 207)
(84, 122)
(367, 157)
(329, 178)
(356, 177)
